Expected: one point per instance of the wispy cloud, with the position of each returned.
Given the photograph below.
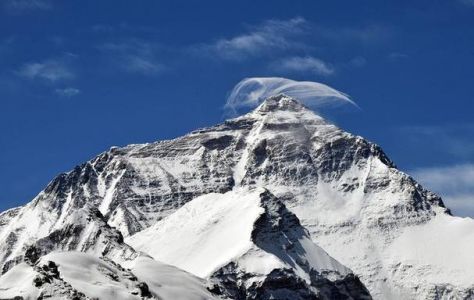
(52, 73)
(290, 38)
(250, 92)
(135, 56)
(454, 183)
(307, 64)
(52, 70)
(19, 6)
(143, 64)
(269, 36)
(67, 92)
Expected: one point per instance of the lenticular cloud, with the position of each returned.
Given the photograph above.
(250, 92)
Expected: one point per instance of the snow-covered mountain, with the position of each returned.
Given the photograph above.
(246, 242)
(347, 196)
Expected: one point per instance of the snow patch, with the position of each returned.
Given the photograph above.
(109, 194)
(18, 282)
(440, 251)
(204, 234)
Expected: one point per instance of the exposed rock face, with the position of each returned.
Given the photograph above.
(285, 284)
(278, 231)
(41, 281)
(343, 189)
(84, 229)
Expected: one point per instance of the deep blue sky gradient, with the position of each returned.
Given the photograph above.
(408, 64)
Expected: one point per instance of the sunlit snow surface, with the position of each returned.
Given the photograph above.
(101, 279)
(250, 92)
(439, 251)
(216, 229)
(18, 282)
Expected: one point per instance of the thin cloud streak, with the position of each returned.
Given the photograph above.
(67, 92)
(288, 37)
(305, 64)
(134, 56)
(51, 70)
(270, 36)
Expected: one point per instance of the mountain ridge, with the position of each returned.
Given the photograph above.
(344, 190)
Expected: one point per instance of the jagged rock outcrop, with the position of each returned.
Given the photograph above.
(82, 276)
(39, 229)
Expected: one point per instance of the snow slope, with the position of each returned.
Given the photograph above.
(93, 276)
(438, 252)
(251, 230)
(18, 282)
(169, 282)
(88, 277)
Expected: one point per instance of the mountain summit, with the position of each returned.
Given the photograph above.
(280, 102)
(325, 189)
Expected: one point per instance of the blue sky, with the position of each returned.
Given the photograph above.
(77, 77)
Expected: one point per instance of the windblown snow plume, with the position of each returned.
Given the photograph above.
(250, 92)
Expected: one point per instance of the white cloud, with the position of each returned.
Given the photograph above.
(270, 36)
(250, 92)
(51, 70)
(67, 92)
(134, 56)
(454, 183)
(306, 64)
(291, 37)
